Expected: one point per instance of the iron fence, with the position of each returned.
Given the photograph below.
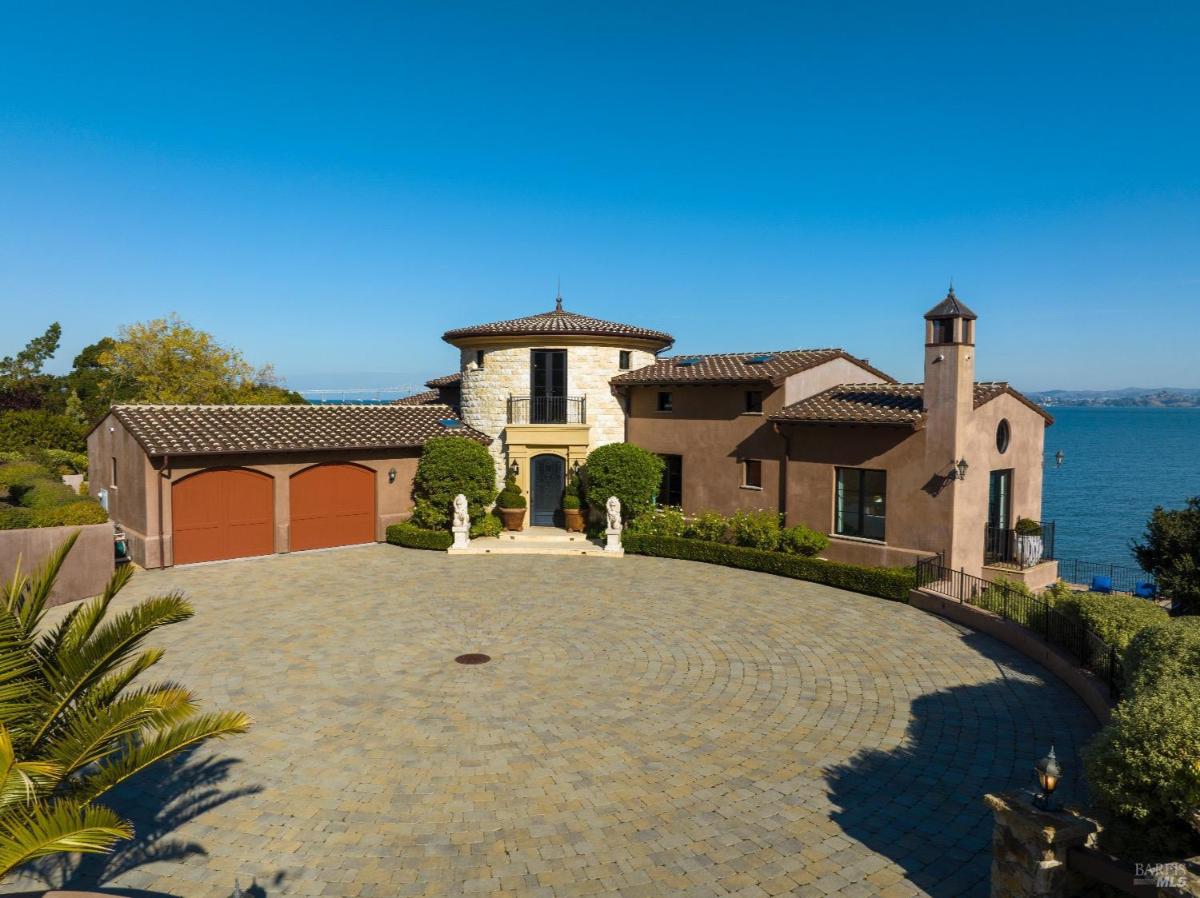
(1121, 577)
(1029, 611)
(1004, 545)
(547, 409)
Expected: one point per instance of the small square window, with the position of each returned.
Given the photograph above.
(754, 400)
(479, 358)
(752, 473)
(664, 402)
(623, 360)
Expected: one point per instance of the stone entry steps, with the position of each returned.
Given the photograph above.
(537, 541)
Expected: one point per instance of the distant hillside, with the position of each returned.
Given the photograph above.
(1127, 397)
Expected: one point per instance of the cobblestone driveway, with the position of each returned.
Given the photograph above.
(647, 727)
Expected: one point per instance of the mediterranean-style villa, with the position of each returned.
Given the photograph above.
(890, 471)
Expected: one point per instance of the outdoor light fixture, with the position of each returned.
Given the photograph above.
(575, 466)
(514, 469)
(391, 475)
(1058, 458)
(1048, 774)
(960, 470)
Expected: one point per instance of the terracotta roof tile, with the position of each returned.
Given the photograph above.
(429, 397)
(884, 404)
(558, 322)
(444, 381)
(220, 429)
(734, 367)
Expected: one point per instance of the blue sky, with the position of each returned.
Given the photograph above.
(330, 186)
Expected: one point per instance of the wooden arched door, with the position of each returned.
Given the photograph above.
(222, 513)
(332, 505)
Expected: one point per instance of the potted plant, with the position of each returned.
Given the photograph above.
(572, 505)
(511, 505)
(1029, 542)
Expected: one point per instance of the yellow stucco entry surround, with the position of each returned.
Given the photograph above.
(523, 441)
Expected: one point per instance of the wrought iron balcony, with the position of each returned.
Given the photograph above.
(1008, 547)
(547, 409)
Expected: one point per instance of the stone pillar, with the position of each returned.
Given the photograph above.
(1029, 847)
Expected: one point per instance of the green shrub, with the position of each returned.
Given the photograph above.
(887, 583)
(1161, 653)
(451, 465)
(755, 529)
(573, 493)
(60, 461)
(626, 471)
(76, 514)
(511, 496)
(709, 526)
(665, 521)
(1027, 527)
(488, 525)
(22, 472)
(802, 540)
(571, 502)
(1170, 550)
(30, 428)
(42, 493)
(1114, 617)
(15, 518)
(414, 537)
(1145, 768)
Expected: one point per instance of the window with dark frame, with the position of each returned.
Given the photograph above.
(754, 399)
(479, 357)
(664, 402)
(623, 360)
(113, 480)
(861, 503)
(752, 473)
(670, 490)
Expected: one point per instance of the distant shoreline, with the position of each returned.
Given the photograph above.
(1129, 397)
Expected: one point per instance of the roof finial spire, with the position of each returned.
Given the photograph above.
(558, 297)
(951, 293)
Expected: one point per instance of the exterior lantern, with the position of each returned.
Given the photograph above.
(1048, 773)
(514, 469)
(961, 468)
(575, 466)
(391, 475)
(1058, 458)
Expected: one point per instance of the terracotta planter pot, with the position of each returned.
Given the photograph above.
(513, 518)
(573, 518)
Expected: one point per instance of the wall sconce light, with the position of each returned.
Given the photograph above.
(514, 469)
(1048, 775)
(391, 475)
(1059, 458)
(960, 470)
(575, 466)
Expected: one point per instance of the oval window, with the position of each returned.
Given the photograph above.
(1002, 435)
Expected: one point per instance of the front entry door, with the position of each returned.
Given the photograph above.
(547, 479)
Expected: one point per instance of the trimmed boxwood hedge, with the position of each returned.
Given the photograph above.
(413, 537)
(887, 583)
(73, 514)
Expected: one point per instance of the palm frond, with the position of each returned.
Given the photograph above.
(107, 688)
(29, 602)
(110, 646)
(39, 829)
(161, 745)
(81, 621)
(21, 684)
(22, 781)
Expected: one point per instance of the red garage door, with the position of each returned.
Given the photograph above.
(223, 513)
(332, 505)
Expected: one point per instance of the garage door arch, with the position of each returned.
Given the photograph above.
(332, 504)
(221, 513)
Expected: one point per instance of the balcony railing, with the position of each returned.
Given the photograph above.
(547, 409)
(1006, 546)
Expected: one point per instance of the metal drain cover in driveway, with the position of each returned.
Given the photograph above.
(473, 658)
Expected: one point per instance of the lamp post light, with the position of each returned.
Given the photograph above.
(1048, 774)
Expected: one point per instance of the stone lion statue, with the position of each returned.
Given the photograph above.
(613, 506)
(461, 517)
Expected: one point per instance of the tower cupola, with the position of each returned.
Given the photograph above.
(950, 322)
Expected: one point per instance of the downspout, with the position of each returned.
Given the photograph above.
(783, 469)
(162, 472)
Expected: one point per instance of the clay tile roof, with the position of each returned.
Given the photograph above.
(221, 429)
(734, 367)
(444, 381)
(951, 307)
(560, 323)
(429, 397)
(896, 404)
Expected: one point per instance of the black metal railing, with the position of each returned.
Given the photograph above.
(1068, 633)
(1007, 546)
(1120, 577)
(547, 409)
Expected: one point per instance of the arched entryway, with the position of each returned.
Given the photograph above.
(222, 513)
(547, 477)
(332, 505)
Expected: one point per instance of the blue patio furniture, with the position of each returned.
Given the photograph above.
(1101, 583)
(1144, 589)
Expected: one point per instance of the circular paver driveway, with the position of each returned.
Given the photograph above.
(646, 727)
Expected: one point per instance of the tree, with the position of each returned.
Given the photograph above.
(1170, 550)
(626, 471)
(451, 465)
(72, 725)
(169, 361)
(22, 384)
(38, 429)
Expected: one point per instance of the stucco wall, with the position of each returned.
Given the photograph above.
(822, 377)
(83, 574)
(506, 372)
(127, 499)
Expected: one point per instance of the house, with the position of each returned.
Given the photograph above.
(202, 483)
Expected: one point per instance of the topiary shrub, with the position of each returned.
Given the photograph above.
(802, 540)
(573, 493)
(511, 496)
(1027, 527)
(451, 465)
(488, 525)
(413, 537)
(571, 502)
(626, 471)
(1161, 653)
(1114, 617)
(666, 521)
(755, 529)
